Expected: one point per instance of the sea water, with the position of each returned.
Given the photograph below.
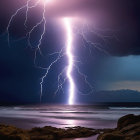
(63, 116)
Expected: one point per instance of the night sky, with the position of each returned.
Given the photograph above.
(118, 69)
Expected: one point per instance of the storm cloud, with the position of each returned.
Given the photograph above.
(120, 15)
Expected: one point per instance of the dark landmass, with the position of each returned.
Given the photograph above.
(8, 132)
(128, 128)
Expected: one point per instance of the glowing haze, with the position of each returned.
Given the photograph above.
(70, 60)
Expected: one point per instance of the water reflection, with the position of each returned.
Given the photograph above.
(63, 116)
(70, 123)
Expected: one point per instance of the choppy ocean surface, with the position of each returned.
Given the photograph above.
(63, 116)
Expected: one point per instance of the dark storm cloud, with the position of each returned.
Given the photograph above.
(122, 15)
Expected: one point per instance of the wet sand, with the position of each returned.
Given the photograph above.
(88, 138)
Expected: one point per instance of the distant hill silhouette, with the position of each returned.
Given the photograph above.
(124, 95)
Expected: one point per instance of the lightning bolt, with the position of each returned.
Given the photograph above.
(66, 73)
(70, 60)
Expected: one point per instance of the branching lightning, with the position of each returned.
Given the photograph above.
(67, 51)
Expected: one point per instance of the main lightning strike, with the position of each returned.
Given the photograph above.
(70, 60)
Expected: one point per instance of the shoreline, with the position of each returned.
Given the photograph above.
(128, 128)
(9, 132)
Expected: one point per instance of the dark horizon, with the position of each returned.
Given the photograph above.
(117, 102)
